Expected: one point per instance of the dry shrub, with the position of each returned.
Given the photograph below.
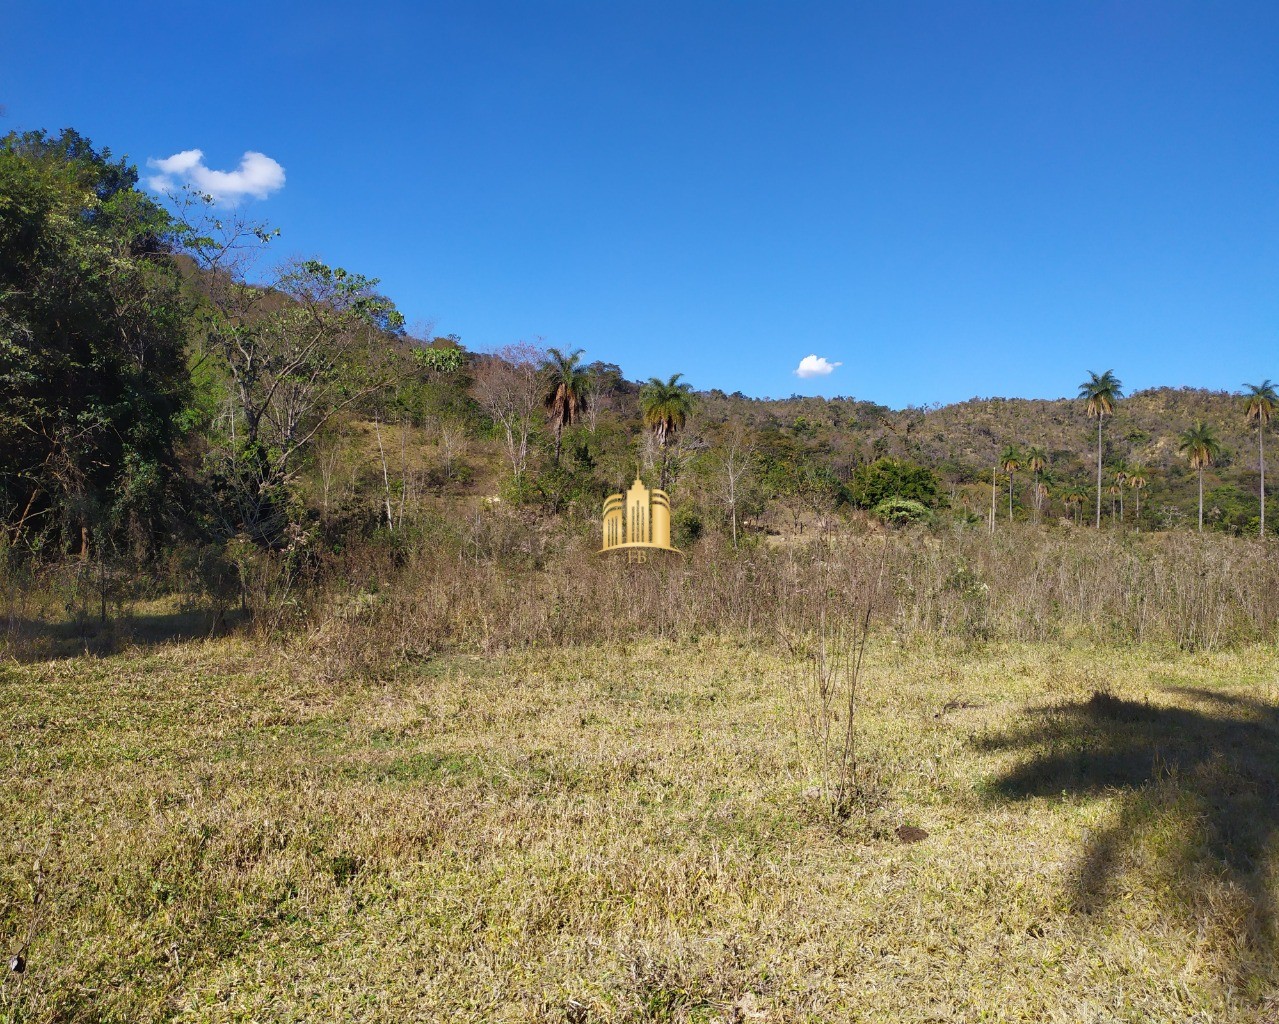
(1188, 592)
(830, 652)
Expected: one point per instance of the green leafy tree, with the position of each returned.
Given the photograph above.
(664, 407)
(93, 375)
(439, 360)
(1100, 393)
(1260, 403)
(887, 478)
(1200, 446)
(566, 385)
(291, 354)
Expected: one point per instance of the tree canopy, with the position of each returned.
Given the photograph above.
(92, 348)
(890, 478)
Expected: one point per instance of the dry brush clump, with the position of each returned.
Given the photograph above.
(831, 652)
(515, 588)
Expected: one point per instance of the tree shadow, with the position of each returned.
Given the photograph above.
(1199, 811)
(30, 640)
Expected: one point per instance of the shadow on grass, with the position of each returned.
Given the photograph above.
(33, 640)
(1199, 809)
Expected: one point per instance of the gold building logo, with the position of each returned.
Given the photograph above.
(638, 522)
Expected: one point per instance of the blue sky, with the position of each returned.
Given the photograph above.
(948, 199)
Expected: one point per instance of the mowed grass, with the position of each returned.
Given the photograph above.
(623, 834)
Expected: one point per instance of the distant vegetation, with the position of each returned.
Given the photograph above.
(178, 415)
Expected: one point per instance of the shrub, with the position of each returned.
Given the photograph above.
(902, 512)
(893, 478)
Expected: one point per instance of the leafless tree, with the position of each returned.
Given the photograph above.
(509, 389)
(452, 444)
(386, 476)
(596, 397)
(734, 468)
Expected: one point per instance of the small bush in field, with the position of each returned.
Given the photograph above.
(902, 512)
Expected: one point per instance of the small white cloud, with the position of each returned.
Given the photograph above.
(815, 366)
(258, 176)
(179, 163)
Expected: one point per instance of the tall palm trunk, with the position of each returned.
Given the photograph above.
(1099, 419)
(1137, 514)
(1201, 499)
(1010, 495)
(1261, 462)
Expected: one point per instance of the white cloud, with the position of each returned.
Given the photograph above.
(258, 176)
(815, 366)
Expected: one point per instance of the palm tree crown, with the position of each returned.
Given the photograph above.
(1036, 459)
(1100, 393)
(665, 405)
(1200, 445)
(1137, 481)
(1261, 401)
(565, 390)
(1037, 462)
(1010, 462)
(1260, 404)
(1076, 496)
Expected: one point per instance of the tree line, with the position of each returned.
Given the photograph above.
(164, 384)
(1199, 444)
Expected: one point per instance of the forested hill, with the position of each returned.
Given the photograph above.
(165, 386)
(963, 442)
(968, 437)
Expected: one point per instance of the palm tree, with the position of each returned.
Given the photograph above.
(1115, 491)
(1075, 498)
(1101, 394)
(1037, 462)
(1200, 445)
(1121, 478)
(1261, 403)
(1010, 462)
(664, 406)
(1137, 481)
(565, 394)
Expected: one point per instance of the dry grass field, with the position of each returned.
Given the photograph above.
(208, 831)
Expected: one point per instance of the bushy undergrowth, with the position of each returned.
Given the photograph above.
(501, 588)
(501, 580)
